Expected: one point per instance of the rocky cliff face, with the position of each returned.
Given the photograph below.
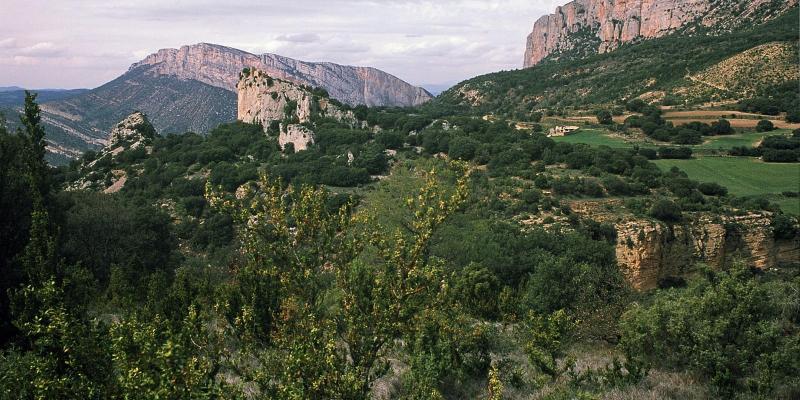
(220, 66)
(648, 251)
(603, 25)
(265, 99)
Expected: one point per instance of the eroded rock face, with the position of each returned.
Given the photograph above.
(133, 132)
(266, 100)
(220, 66)
(648, 251)
(606, 24)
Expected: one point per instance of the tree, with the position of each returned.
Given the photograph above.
(462, 148)
(764, 125)
(295, 251)
(547, 341)
(721, 127)
(34, 134)
(666, 210)
(604, 117)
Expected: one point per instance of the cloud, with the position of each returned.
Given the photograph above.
(9, 43)
(42, 49)
(299, 38)
(421, 41)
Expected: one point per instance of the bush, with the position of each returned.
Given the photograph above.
(728, 328)
(712, 189)
(772, 155)
(463, 148)
(665, 210)
(721, 127)
(604, 117)
(764, 125)
(674, 152)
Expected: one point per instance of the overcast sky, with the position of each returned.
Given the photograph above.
(85, 43)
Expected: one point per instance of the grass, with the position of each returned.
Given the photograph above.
(594, 137)
(745, 176)
(746, 139)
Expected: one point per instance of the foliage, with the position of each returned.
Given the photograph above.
(732, 328)
(293, 246)
(546, 341)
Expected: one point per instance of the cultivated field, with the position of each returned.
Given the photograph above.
(737, 119)
(744, 176)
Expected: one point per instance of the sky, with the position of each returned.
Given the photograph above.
(85, 43)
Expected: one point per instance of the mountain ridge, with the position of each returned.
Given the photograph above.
(583, 27)
(193, 88)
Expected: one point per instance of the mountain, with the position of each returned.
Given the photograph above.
(194, 89)
(220, 66)
(15, 97)
(678, 69)
(10, 88)
(583, 27)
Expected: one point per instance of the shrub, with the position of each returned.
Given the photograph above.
(712, 189)
(675, 152)
(728, 328)
(764, 125)
(604, 117)
(666, 210)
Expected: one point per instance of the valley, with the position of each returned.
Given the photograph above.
(619, 219)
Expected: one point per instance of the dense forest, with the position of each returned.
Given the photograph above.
(379, 262)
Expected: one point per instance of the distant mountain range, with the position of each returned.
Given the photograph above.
(194, 89)
(15, 96)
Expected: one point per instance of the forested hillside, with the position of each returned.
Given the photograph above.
(429, 255)
(668, 70)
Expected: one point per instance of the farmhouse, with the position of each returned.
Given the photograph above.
(562, 130)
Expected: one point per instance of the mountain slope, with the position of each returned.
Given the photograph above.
(220, 66)
(15, 97)
(194, 89)
(663, 66)
(583, 27)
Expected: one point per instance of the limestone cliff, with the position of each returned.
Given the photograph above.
(589, 26)
(648, 251)
(220, 66)
(268, 100)
(132, 133)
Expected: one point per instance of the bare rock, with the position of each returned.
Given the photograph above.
(220, 66)
(606, 24)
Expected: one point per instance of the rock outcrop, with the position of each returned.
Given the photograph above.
(269, 101)
(603, 25)
(648, 251)
(220, 66)
(132, 133)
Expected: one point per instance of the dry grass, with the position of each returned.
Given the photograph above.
(765, 65)
(660, 385)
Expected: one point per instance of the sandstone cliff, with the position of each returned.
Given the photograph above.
(602, 25)
(268, 100)
(220, 66)
(648, 251)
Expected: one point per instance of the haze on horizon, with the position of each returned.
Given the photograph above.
(85, 43)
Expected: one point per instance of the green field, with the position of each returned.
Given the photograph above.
(594, 137)
(745, 177)
(599, 137)
(746, 139)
